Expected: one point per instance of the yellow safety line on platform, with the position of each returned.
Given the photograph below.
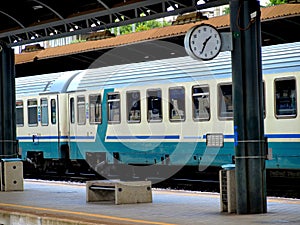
(85, 214)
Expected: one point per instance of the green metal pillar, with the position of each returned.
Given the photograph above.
(247, 82)
(8, 143)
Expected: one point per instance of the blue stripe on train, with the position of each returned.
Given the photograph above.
(163, 137)
(282, 135)
(56, 137)
(166, 137)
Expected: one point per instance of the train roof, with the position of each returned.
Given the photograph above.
(39, 84)
(276, 58)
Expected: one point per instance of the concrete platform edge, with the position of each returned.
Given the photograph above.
(13, 218)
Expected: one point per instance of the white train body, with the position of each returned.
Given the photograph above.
(173, 112)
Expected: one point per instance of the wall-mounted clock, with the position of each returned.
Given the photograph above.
(203, 42)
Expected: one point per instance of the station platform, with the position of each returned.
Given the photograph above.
(54, 203)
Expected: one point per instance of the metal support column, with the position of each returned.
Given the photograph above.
(248, 107)
(8, 144)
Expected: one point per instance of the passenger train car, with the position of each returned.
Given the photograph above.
(171, 112)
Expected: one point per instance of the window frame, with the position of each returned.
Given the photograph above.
(136, 113)
(53, 111)
(180, 110)
(97, 104)
(44, 116)
(72, 110)
(28, 112)
(81, 110)
(160, 115)
(201, 119)
(22, 112)
(109, 101)
(219, 100)
(289, 116)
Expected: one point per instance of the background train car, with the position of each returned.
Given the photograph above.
(169, 113)
(42, 126)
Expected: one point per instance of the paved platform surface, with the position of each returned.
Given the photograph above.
(68, 202)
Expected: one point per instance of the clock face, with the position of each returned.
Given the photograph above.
(203, 41)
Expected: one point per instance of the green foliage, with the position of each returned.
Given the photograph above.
(126, 29)
(277, 2)
(141, 26)
(226, 10)
(77, 41)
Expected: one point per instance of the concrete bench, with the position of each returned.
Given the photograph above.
(121, 192)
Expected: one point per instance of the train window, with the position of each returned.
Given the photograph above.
(176, 104)
(81, 110)
(133, 99)
(225, 101)
(32, 112)
(201, 103)
(113, 108)
(19, 113)
(72, 110)
(285, 97)
(154, 105)
(53, 111)
(44, 112)
(95, 109)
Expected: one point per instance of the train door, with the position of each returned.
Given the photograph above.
(48, 133)
(71, 120)
(78, 124)
(84, 116)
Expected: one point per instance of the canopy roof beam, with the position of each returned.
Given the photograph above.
(110, 17)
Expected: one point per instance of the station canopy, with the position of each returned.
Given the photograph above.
(31, 21)
(28, 21)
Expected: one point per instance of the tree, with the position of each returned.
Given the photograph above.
(277, 2)
(226, 11)
(141, 26)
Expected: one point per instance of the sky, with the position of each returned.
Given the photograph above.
(264, 2)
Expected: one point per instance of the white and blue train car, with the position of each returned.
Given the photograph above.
(171, 112)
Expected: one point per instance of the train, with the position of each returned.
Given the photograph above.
(153, 118)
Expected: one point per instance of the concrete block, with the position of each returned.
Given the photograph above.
(1, 182)
(121, 192)
(227, 191)
(12, 175)
(231, 191)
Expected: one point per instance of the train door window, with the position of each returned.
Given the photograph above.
(285, 98)
(133, 99)
(201, 103)
(53, 111)
(176, 104)
(32, 112)
(154, 105)
(225, 105)
(113, 108)
(44, 112)
(19, 113)
(72, 110)
(95, 109)
(81, 110)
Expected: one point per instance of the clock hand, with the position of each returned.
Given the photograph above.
(204, 44)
